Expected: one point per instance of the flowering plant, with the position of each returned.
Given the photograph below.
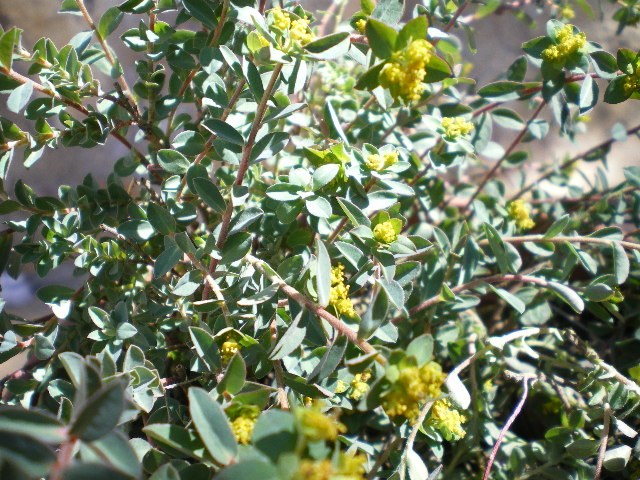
(309, 262)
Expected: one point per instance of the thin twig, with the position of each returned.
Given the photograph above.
(516, 411)
(106, 49)
(572, 239)
(244, 165)
(604, 439)
(335, 322)
(516, 141)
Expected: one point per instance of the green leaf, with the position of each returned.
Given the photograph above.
(290, 340)
(375, 315)
(177, 438)
(274, 434)
(250, 468)
(223, 131)
(27, 454)
(620, 263)
(370, 79)
(421, 348)
(206, 348)
(189, 143)
(116, 448)
(109, 21)
(415, 29)
(188, 283)
(100, 413)
(19, 98)
(458, 393)
(615, 92)
(318, 206)
(269, 145)
(172, 161)
(39, 425)
(388, 11)
(283, 192)
(604, 64)
(558, 226)
(323, 273)
(324, 175)
(330, 360)
(598, 292)
(394, 291)
(616, 458)
(510, 298)
(382, 39)
(502, 90)
(160, 219)
(165, 472)
(209, 192)
(234, 376)
(171, 255)
(568, 295)
(437, 69)
(353, 213)
(236, 247)
(201, 10)
(7, 42)
(95, 471)
(498, 247)
(213, 428)
(329, 47)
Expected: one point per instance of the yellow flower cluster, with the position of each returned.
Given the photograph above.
(242, 428)
(455, 127)
(404, 74)
(317, 426)
(447, 420)
(361, 25)
(413, 387)
(349, 468)
(228, 350)
(385, 232)
(568, 42)
(380, 162)
(567, 12)
(519, 211)
(339, 293)
(359, 385)
(264, 41)
(632, 82)
(298, 29)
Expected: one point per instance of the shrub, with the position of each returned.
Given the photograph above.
(295, 272)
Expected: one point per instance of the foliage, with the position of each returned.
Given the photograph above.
(294, 272)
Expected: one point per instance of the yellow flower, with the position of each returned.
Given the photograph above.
(349, 468)
(631, 84)
(385, 232)
(339, 293)
(317, 426)
(299, 31)
(519, 211)
(341, 387)
(359, 385)
(567, 12)
(390, 158)
(242, 428)
(281, 19)
(568, 43)
(404, 74)
(374, 162)
(361, 25)
(228, 350)
(455, 127)
(447, 420)
(413, 387)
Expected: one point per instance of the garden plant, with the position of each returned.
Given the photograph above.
(327, 252)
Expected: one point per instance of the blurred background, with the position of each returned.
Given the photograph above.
(498, 39)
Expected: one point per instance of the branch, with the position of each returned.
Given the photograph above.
(571, 161)
(335, 322)
(561, 239)
(244, 165)
(603, 441)
(107, 50)
(516, 411)
(516, 141)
